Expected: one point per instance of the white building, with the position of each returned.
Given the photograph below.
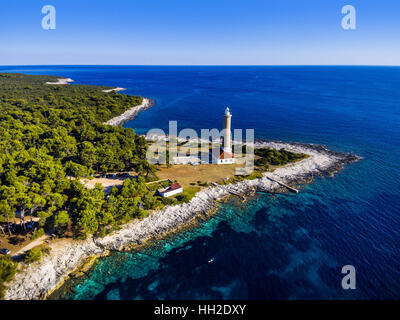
(224, 158)
(186, 160)
(172, 190)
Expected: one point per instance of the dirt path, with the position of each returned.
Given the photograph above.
(34, 243)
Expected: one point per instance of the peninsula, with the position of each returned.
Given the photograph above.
(79, 141)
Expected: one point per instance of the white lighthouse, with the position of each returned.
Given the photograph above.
(227, 131)
(226, 155)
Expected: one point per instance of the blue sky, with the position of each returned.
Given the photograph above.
(200, 32)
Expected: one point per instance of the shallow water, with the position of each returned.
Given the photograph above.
(274, 246)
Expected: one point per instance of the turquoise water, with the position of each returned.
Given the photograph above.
(274, 246)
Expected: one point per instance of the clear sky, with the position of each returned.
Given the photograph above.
(200, 32)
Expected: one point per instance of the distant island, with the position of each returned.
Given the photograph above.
(75, 184)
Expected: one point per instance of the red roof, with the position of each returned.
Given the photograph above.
(226, 155)
(174, 186)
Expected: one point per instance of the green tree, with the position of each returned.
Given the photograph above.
(75, 170)
(33, 255)
(7, 203)
(8, 268)
(37, 202)
(24, 203)
(61, 219)
(88, 156)
(6, 212)
(86, 216)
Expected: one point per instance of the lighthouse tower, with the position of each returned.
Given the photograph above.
(227, 131)
(225, 156)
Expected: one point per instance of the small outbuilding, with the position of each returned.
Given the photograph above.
(172, 190)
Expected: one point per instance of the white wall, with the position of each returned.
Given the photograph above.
(172, 193)
(226, 161)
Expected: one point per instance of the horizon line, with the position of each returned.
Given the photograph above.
(203, 65)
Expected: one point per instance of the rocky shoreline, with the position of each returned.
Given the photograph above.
(61, 81)
(40, 279)
(131, 113)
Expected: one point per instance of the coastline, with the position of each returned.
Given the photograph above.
(40, 279)
(61, 81)
(115, 89)
(131, 113)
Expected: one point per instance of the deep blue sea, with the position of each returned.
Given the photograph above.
(274, 246)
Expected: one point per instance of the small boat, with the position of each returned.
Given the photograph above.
(211, 260)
